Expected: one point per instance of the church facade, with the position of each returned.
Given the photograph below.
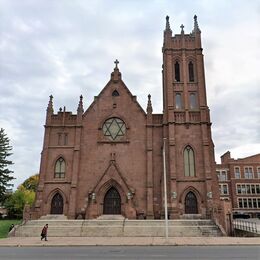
(109, 158)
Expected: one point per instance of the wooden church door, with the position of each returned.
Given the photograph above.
(112, 202)
(191, 205)
(57, 204)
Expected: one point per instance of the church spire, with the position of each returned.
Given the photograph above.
(149, 108)
(196, 25)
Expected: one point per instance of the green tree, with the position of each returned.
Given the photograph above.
(31, 183)
(5, 173)
(16, 201)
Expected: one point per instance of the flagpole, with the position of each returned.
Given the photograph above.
(165, 191)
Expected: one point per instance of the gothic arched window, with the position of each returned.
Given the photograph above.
(191, 72)
(178, 101)
(193, 101)
(189, 162)
(177, 71)
(60, 168)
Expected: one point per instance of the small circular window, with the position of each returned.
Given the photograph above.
(114, 128)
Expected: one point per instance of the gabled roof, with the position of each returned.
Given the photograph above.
(115, 78)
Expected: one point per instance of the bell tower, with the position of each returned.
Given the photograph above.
(190, 163)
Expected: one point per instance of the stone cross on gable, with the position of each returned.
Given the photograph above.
(116, 62)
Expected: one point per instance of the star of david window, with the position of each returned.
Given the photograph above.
(114, 128)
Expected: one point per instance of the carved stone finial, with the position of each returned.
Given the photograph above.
(80, 106)
(50, 105)
(167, 27)
(196, 25)
(149, 108)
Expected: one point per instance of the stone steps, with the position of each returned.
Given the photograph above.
(114, 228)
(120, 222)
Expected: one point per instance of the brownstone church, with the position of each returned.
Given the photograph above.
(109, 159)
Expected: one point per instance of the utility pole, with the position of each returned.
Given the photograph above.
(165, 191)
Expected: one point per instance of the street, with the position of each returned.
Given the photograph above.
(132, 252)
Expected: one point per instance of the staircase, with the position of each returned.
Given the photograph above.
(119, 228)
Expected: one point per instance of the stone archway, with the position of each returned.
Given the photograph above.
(112, 202)
(191, 203)
(57, 204)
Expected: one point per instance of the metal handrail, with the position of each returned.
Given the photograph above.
(249, 226)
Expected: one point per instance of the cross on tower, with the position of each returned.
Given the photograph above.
(116, 62)
(182, 26)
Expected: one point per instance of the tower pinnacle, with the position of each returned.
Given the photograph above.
(50, 105)
(196, 26)
(167, 27)
(149, 108)
(167, 31)
(80, 106)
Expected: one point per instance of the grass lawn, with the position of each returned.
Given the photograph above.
(5, 225)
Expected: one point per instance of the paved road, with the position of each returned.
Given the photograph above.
(133, 252)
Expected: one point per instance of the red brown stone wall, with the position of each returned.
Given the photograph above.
(133, 165)
(129, 152)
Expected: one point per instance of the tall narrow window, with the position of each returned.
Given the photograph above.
(237, 173)
(60, 168)
(189, 162)
(258, 172)
(65, 139)
(191, 72)
(238, 189)
(249, 173)
(178, 101)
(177, 71)
(59, 138)
(193, 101)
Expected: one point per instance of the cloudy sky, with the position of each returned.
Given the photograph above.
(67, 48)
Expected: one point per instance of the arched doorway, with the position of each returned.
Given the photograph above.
(112, 202)
(191, 205)
(57, 204)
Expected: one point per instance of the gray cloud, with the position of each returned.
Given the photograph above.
(67, 48)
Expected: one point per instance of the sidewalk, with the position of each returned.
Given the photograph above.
(129, 241)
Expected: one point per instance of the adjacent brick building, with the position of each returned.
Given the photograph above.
(239, 182)
(109, 158)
